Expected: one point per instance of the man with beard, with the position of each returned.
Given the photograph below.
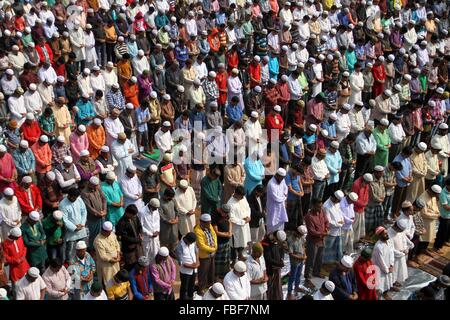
(129, 232)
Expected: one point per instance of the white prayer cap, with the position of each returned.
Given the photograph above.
(86, 71)
(254, 114)
(85, 95)
(61, 139)
(330, 57)
(104, 149)
(163, 252)
(324, 38)
(440, 90)
(2, 148)
(34, 215)
(33, 272)
(97, 121)
(347, 261)
(90, 10)
(339, 195)
(29, 116)
(43, 138)
(84, 153)
(33, 87)
(347, 107)
(381, 58)
(154, 203)
(277, 108)
(141, 53)
(27, 29)
(129, 106)
(443, 126)
(368, 177)
(257, 58)
(60, 79)
(173, 19)
(153, 94)
(110, 175)
(133, 79)
(329, 285)
(312, 60)
(94, 181)
(302, 229)
(184, 184)
(398, 87)
(257, 89)
(402, 224)
(369, 64)
(23, 143)
(273, 81)
(312, 127)
(435, 145)
(436, 188)
(422, 146)
(423, 43)
(15, 232)
(324, 132)
(284, 78)
(166, 124)
(352, 45)
(294, 46)
(431, 103)
(166, 97)
(281, 235)
(27, 179)
(212, 74)
(107, 226)
(333, 116)
(281, 172)
(333, 31)
(406, 204)
(240, 266)
(110, 64)
(50, 175)
(81, 245)
(334, 144)
(391, 57)
(57, 215)
(218, 288)
(388, 92)
(8, 192)
(378, 168)
(133, 36)
(205, 217)
(7, 33)
(153, 168)
(353, 196)
(68, 159)
(285, 48)
(115, 86)
(120, 39)
(384, 122)
(82, 128)
(180, 88)
(131, 168)
(346, 74)
(200, 136)
(235, 71)
(3, 294)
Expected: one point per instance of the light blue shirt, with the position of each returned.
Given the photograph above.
(24, 161)
(405, 172)
(74, 213)
(334, 164)
(444, 199)
(141, 115)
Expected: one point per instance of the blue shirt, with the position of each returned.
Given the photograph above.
(74, 213)
(331, 128)
(334, 164)
(295, 183)
(147, 282)
(197, 116)
(24, 161)
(405, 172)
(234, 113)
(85, 110)
(444, 199)
(141, 115)
(309, 139)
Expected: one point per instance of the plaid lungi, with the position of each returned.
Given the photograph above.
(374, 216)
(333, 249)
(222, 259)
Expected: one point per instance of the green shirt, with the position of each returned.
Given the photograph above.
(36, 252)
(53, 232)
(211, 191)
(444, 199)
(383, 140)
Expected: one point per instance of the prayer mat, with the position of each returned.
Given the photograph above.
(435, 266)
(153, 156)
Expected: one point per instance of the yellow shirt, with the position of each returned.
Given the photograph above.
(118, 290)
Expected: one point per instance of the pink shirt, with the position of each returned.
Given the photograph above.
(77, 144)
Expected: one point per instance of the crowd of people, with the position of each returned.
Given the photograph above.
(146, 141)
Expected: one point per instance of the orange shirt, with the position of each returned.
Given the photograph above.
(97, 138)
(43, 156)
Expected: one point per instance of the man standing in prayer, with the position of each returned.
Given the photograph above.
(237, 283)
(277, 191)
(430, 213)
(131, 188)
(344, 279)
(333, 241)
(122, 150)
(419, 171)
(401, 248)
(365, 276)
(150, 221)
(374, 213)
(383, 258)
(207, 247)
(185, 203)
(108, 253)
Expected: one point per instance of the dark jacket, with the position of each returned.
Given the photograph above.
(273, 256)
(340, 292)
(257, 211)
(127, 124)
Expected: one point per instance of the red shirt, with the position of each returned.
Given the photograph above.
(15, 254)
(361, 188)
(365, 274)
(22, 197)
(317, 225)
(255, 73)
(31, 132)
(274, 122)
(221, 81)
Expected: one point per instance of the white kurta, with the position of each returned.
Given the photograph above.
(10, 216)
(98, 83)
(185, 201)
(33, 102)
(401, 243)
(240, 210)
(89, 42)
(343, 126)
(132, 191)
(253, 131)
(357, 85)
(140, 64)
(383, 258)
(110, 78)
(84, 83)
(123, 157)
(77, 40)
(17, 109)
(163, 141)
(112, 127)
(238, 288)
(235, 89)
(150, 221)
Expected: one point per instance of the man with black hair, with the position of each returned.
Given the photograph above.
(169, 221)
(403, 179)
(57, 280)
(189, 262)
(118, 288)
